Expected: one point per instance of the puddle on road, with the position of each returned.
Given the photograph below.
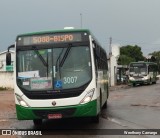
(146, 105)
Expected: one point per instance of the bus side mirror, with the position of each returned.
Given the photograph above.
(8, 55)
(8, 59)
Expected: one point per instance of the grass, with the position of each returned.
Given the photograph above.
(3, 88)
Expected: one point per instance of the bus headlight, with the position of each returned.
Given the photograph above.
(88, 97)
(131, 78)
(21, 101)
(145, 78)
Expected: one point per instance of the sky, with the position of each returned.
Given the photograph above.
(128, 22)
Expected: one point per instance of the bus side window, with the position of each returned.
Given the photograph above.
(149, 69)
(95, 57)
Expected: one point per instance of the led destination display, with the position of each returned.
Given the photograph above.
(49, 39)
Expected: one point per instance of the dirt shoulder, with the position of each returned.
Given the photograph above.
(7, 106)
(7, 109)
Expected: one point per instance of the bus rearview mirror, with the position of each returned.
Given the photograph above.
(8, 58)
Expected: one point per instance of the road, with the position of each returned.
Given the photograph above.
(128, 108)
(137, 107)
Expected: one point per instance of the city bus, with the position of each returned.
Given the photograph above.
(59, 74)
(142, 73)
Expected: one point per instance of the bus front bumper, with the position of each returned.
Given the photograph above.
(139, 81)
(81, 110)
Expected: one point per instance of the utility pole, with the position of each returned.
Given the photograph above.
(81, 20)
(110, 54)
(110, 45)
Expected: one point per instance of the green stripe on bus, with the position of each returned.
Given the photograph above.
(82, 110)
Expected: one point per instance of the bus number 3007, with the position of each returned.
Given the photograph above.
(69, 80)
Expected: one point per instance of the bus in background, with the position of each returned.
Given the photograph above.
(59, 74)
(142, 73)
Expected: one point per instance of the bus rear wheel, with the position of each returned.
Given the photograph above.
(154, 82)
(95, 119)
(150, 82)
(37, 122)
(105, 105)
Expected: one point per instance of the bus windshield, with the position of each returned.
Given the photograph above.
(138, 68)
(53, 68)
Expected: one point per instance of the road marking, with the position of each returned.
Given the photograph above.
(116, 121)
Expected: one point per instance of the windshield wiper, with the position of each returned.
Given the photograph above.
(65, 56)
(61, 62)
(40, 57)
(57, 66)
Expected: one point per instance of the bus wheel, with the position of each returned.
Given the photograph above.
(154, 82)
(134, 84)
(95, 119)
(150, 81)
(37, 122)
(105, 105)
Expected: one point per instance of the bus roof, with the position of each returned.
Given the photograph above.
(61, 31)
(56, 31)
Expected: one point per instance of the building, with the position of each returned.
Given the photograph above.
(112, 62)
(112, 70)
(6, 72)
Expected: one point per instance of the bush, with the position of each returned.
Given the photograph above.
(3, 88)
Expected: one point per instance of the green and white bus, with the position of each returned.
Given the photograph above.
(59, 74)
(142, 73)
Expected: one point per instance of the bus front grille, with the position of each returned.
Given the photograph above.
(65, 112)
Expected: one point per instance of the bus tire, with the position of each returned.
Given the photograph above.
(95, 119)
(105, 105)
(150, 81)
(37, 122)
(134, 84)
(154, 82)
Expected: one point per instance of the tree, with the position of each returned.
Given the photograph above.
(129, 54)
(156, 54)
(125, 60)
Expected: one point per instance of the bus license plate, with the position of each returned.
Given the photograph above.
(139, 79)
(54, 116)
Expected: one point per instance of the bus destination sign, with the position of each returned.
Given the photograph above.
(49, 39)
(137, 65)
